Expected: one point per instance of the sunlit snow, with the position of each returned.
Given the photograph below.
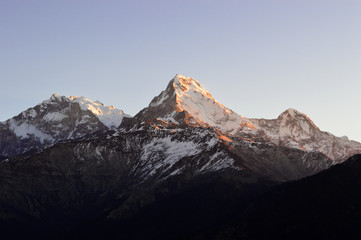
(108, 115)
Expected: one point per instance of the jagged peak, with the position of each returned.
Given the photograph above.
(57, 96)
(295, 115)
(183, 87)
(187, 87)
(183, 83)
(293, 112)
(185, 80)
(186, 95)
(82, 98)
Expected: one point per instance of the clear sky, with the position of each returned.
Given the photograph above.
(257, 57)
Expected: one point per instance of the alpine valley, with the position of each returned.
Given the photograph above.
(185, 167)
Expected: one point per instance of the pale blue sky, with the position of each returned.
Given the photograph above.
(257, 57)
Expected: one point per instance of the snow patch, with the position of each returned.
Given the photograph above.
(218, 161)
(173, 150)
(163, 97)
(54, 116)
(168, 119)
(169, 151)
(32, 113)
(25, 130)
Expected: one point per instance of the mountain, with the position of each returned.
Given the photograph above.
(184, 163)
(183, 102)
(56, 119)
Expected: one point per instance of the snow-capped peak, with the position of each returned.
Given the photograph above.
(199, 103)
(56, 119)
(293, 112)
(186, 95)
(108, 115)
(183, 83)
(189, 87)
(55, 96)
(298, 116)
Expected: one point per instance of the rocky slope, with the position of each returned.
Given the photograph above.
(56, 119)
(114, 175)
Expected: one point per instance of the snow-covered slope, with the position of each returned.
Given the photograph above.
(185, 95)
(56, 119)
(172, 149)
(108, 115)
(185, 101)
(200, 104)
(172, 152)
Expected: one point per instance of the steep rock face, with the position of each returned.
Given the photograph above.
(56, 119)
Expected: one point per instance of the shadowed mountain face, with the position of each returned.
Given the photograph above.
(223, 205)
(181, 167)
(324, 206)
(118, 174)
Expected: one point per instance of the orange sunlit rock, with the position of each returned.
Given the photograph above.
(224, 138)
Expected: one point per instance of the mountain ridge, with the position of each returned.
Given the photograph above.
(183, 102)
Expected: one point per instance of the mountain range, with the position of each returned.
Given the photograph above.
(75, 167)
